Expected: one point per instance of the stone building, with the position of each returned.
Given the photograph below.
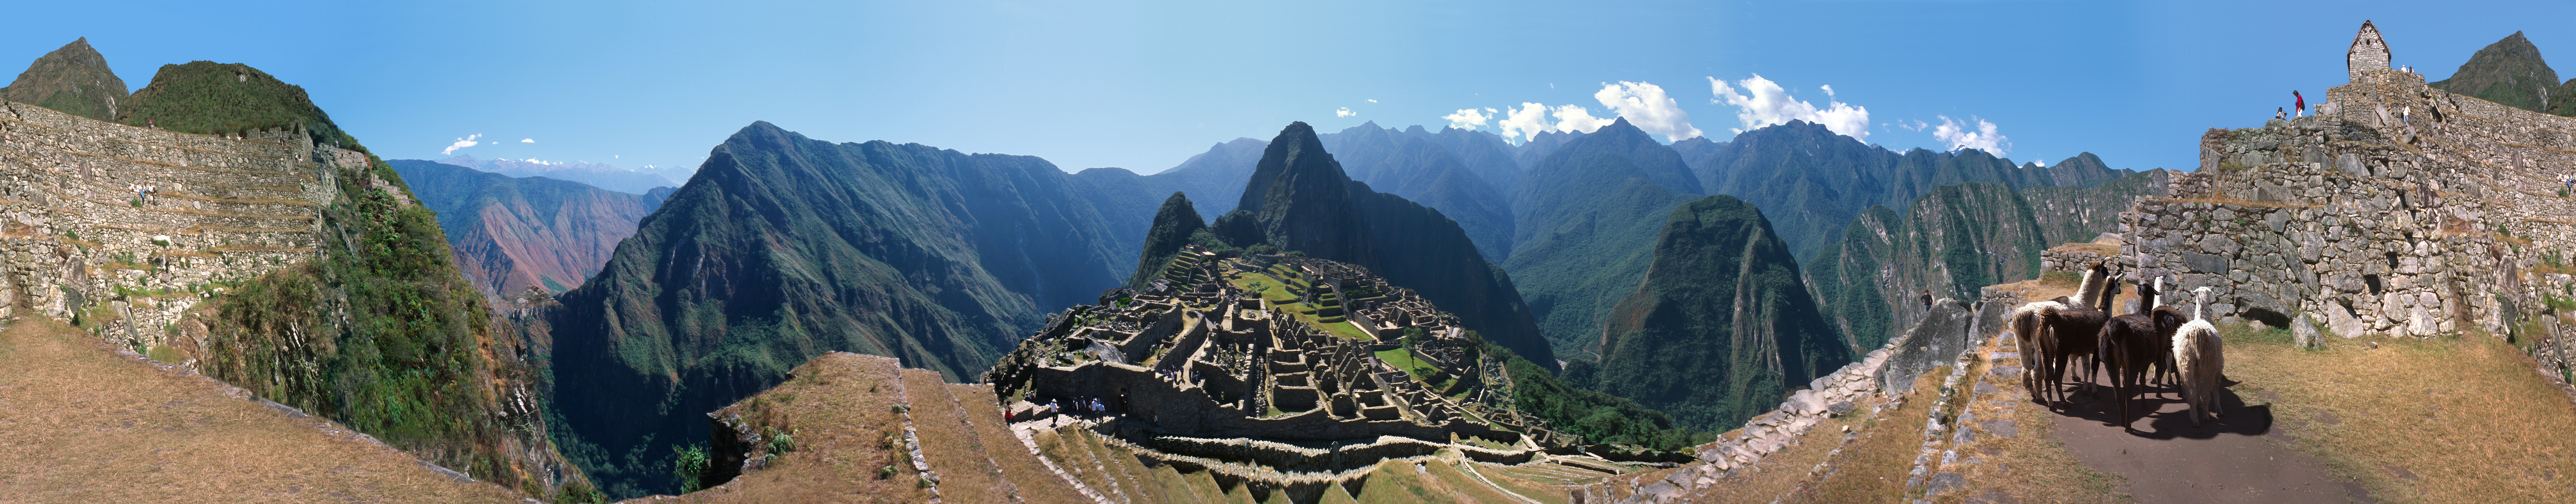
(124, 228)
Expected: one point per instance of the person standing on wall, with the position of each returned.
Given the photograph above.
(2298, 103)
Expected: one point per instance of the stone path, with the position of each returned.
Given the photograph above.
(2241, 457)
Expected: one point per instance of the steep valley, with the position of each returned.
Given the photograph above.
(512, 234)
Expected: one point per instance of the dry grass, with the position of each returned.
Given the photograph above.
(2031, 466)
(2449, 419)
(841, 416)
(82, 423)
(1872, 468)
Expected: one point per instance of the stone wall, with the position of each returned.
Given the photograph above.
(82, 243)
(2076, 257)
(2409, 212)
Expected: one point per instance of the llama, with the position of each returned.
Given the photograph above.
(2061, 330)
(2133, 346)
(2199, 358)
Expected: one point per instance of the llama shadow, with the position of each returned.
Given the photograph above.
(2236, 417)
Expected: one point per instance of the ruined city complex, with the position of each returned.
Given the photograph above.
(2397, 209)
(1276, 368)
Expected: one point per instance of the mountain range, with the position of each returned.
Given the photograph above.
(511, 234)
(783, 247)
(595, 174)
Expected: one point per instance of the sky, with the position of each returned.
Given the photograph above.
(1145, 85)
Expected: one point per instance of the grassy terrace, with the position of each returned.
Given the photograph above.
(1274, 287)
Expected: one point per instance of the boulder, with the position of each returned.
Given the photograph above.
(2304, 332)
(2341, 321)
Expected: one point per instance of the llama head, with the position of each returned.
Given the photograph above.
(2150, 294)
(2089, 291)
(2199, 298)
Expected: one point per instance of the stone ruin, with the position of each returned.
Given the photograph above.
(2399, 210)
(126, 228)
(1198, 372)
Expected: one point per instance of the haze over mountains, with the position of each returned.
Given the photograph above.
(595, 174)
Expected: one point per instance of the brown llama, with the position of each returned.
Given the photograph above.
(2136, 345)
(2061, 331)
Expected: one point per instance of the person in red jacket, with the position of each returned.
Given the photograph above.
(2299, 103)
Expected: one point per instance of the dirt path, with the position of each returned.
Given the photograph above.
(2239, 458)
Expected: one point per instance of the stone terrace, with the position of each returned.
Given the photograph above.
(1199, 372)
(82, 242)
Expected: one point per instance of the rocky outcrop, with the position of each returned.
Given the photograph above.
(73, 80)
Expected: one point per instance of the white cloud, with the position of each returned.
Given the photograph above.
(1647, 108)
(1468, 118)
(1524, 122)
(1372, 101)
(1576, 118)
(1344, 112)
(1959, 137)
(1769, 105)
(1911, 125)
(461, 143)
(527, 140)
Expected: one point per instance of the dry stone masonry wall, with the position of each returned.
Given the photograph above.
(125, 228)
(2402, 211)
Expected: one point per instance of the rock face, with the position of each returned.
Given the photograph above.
(73, 80)
(1300, 200)
(511, 234)
(1955, 240)
(1722, 323)
(782, 247)
(1813, 182)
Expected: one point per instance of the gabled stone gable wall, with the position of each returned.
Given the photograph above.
(2368, 52)
(80, 241)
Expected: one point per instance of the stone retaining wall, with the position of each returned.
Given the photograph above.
(82, 243)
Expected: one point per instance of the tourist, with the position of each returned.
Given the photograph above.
(2298, 103)
(2277, 113)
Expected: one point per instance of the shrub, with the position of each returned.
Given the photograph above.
(579, 492)
(886, 472)
(781, 442)
(689, 464)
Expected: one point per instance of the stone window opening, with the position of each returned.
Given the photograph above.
(2373, 282)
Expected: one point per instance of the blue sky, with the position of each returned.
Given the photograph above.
(1143, 85)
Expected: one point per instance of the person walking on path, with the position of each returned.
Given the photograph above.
(2298, 103)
